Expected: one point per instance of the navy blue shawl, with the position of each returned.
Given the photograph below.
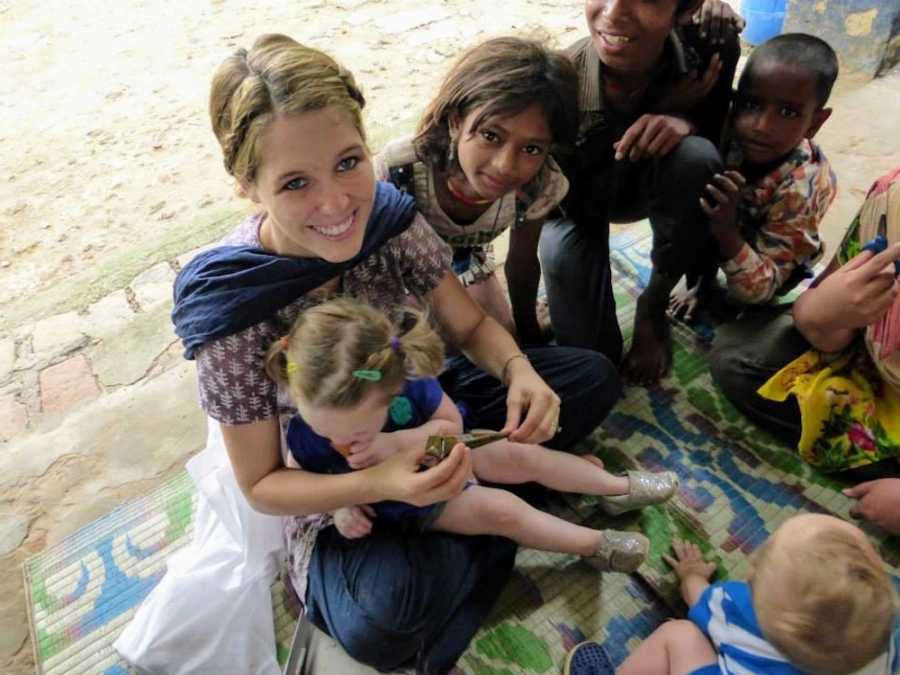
(230, 288)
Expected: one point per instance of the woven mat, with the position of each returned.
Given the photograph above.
(738, 485)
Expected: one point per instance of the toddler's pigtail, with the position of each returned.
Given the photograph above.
(421, 347)
(277, 363)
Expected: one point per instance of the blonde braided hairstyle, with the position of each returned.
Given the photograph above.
(276, 76)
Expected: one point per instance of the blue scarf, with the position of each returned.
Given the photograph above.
(230, 288)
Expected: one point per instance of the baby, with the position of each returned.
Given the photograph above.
(819, 600)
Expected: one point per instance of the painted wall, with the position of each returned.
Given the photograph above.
(864, 33)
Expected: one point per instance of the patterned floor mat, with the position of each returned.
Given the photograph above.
(738, 485)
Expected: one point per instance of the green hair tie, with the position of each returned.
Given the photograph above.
(369, 375)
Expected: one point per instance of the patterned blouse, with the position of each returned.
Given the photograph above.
(779, 217)
(234, 386)
(500, 216)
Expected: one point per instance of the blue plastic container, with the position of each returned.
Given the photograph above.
(765, 19)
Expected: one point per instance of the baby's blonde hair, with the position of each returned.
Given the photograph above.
(330, 342)
(277, 76)
(824, 600)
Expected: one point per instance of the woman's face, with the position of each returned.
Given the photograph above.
(629, 35)
(504, 153)
(316, 184)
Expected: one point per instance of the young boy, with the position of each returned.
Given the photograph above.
(654, 95)
(818, 601)
(766, 209)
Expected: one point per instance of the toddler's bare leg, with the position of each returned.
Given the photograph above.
(514, 463)
(675, 648)
(484, 510)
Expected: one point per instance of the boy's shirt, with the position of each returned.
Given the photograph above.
(684, 56)
(779, 217)
(726, 615)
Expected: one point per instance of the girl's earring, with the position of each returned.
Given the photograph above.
(451, 153)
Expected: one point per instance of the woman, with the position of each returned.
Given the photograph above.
(288, 119)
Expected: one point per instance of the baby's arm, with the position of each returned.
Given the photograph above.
(692, 570)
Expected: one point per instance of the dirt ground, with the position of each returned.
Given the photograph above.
(109, 169)
(109, 165)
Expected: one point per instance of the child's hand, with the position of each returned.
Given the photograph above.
(362, 456)
(690, 91)
(725, 191)
(652, 136)
(689, 561)
(683, 303)
(354, 522)
(718, 21)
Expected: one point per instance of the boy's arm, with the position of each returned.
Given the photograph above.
(523, 273)
(788, 238)
(709, 115)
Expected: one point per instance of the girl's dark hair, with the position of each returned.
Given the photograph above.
(505, 76)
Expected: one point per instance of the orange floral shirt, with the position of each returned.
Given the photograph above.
(779, 217)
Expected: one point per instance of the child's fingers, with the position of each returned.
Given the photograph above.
(631, 135)
(719, 196)
(736, 177)
(669, 560)
(369, 510)
(706, 208)
(729, 186)
(878, 262)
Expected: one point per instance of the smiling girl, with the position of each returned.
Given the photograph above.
(481, 163)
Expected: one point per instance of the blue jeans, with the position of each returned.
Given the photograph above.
(395, 599)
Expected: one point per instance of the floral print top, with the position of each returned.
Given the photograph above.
(779, 217)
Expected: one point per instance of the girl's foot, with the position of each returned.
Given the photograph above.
(644, 488)
(619, 551)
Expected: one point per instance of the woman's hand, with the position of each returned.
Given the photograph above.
(354, 522)
(652, 136)
(879, 503)
(852, 297)
(398, 478)
(528, 393)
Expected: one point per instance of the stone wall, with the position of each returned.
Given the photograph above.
(865, 33)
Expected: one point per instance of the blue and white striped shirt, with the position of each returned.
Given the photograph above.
(725, 614)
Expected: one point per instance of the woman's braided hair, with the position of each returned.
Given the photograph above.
(276, 76)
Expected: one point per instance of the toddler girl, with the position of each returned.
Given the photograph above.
(365, 389)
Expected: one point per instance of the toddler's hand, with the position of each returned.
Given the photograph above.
(725, 191)
(689, 561)
(381, 447)
(354, 522)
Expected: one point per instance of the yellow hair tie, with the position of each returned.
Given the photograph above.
(292, 367)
